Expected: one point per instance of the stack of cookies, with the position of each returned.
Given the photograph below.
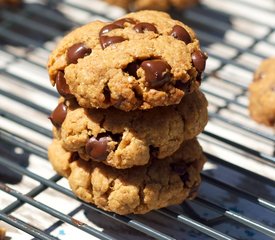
(130, 109)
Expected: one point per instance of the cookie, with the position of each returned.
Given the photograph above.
(2, 233)
(139, 189)
(153, 4)
(126, 139)
(141, 61)
(262, 93)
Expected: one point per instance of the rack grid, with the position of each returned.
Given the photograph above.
(236, 199)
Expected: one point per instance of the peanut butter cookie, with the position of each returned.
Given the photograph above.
(136, 190)
(141, 61)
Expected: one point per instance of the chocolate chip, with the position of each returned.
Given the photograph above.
(97, 149)
(199, 60)
(61, 85)
(109, 28)
(184, 86)
(180, 33)
(106, 41)
(199, 78)
(74, 157)
(157, 72)
(154, 151)
(132, 68)
(107, 94)
(77, 51)
(122, 21)
(117, 24)
(143, 26)
(58, 115)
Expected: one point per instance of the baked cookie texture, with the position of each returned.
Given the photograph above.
(131, 138)
(136, 190)
(141, 61)
(262, 93)
(153, 4)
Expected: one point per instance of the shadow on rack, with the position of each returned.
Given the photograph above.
(16, 155)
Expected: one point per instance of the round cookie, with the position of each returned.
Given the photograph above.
(153, 4)
(139, 189)
(262, 93)
(126, 139)
(141, 61)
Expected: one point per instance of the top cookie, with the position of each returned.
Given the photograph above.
(152, 4)
(141, 61)
(262, 93)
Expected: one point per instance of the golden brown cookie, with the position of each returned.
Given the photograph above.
(262, 93)
(2, 233)
(141, 61)
(139, 189)
(126, 139)
(153, 4)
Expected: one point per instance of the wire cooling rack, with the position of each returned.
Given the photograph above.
(236, 199)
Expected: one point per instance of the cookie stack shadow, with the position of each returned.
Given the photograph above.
(130, 109)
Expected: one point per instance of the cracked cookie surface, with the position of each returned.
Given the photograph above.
(126, 139)
(262, 93)
(141, 61)
(136, 190)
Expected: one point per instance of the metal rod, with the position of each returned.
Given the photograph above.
(55, 213)
(195, 224)
(26, 227)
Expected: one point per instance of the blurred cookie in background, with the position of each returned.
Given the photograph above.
(262, 93)
(11, 3)
(153, 4)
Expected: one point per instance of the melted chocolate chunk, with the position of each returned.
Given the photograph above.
(58, 115)
(132, 68)
(184, 86)
(107, 94)
(97, 149)
(122, 21)
(154, 151)
(106, 41)
(180, 33)
(77, 51)
(109, 28)
(157, 72)
(74, 157)
(199, 60)
(61, 85)
(143, 26)
(199, 78)
(117, 24)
